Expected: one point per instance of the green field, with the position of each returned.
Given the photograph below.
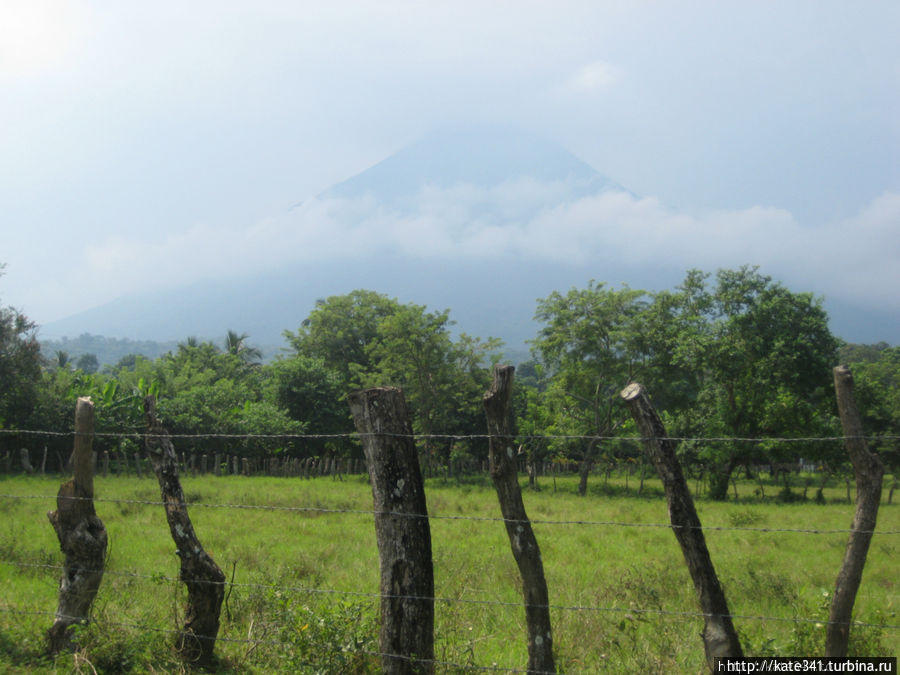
(620, 592)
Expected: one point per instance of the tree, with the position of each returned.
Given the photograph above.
(340, 329)
(313, 395)
(236, 345)
(368, 339)
(877, 391)
(442, 380)
(88, 363)
(591, 347)
(20, 366)
(762, 356)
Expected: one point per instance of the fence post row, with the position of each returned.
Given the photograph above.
(82, 536)
(524, 544)
(869, 475)
(401, 528)
(719, 636)
(204, 580)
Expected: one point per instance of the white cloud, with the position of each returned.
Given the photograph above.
(37, 35)
(853, 260)
(593, 77)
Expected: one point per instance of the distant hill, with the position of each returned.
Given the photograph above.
(108, 350)
(490, 296)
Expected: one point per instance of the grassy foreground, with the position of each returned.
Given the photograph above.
(599, 577)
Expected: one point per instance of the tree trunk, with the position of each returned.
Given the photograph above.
(518, 528)
(81, 534)
(401, 528)
(719, 478)
(719, 636)
(204, 580)
(587, 463)
(869, 474)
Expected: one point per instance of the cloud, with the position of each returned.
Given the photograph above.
(37, 35)
(853, 260)
(593, 77)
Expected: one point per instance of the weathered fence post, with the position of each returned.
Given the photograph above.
(521, 537)
(204, 580)
(402, 530)
(869, 475)
(719, 636)
(81, 534)
(26, 461)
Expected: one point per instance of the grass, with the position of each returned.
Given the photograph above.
(271, 624)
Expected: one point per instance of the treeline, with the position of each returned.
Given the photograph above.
(732, 355)
(96, 351)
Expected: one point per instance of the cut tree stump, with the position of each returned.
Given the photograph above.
(204, 580)
(869, 476)
(524, 544)
(719, 636)
(82, 536)
(401, 529)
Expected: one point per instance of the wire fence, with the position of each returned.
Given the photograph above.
(312, 590)
(159, 578)
(139, 435)
(432, 516)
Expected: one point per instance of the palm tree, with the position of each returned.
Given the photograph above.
(237, 345)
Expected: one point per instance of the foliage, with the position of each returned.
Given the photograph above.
(762, 356)
(877, 392)
(20, 366)
(367, 339)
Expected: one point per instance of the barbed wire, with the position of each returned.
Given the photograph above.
(490, 519)
(448, 600)
(276, 643)
(455, 437)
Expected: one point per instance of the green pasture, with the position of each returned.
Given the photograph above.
(303, 579)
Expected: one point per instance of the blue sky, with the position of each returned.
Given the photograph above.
(146, 144)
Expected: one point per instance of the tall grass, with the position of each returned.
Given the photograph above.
(629, 583)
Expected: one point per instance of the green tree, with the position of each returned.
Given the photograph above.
(443, 380)
(368, 339)
(237, 345)
(313, 395)
(340, 329)
(762, 358)
(20, 366)
(87, 363)
(62, 359)
(592, 347)
(877, 389)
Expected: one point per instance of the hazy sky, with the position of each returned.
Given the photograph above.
(146, 143)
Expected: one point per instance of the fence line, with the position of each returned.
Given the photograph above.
(283, 643)
(470, 601)
(498, 603)
(139, 435)
(430, 516)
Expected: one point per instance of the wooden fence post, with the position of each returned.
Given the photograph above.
(402, 530)
(204, 580)
(81, 534)
(524, 544)
(869, 475)
(26, 461)
(719, 636)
